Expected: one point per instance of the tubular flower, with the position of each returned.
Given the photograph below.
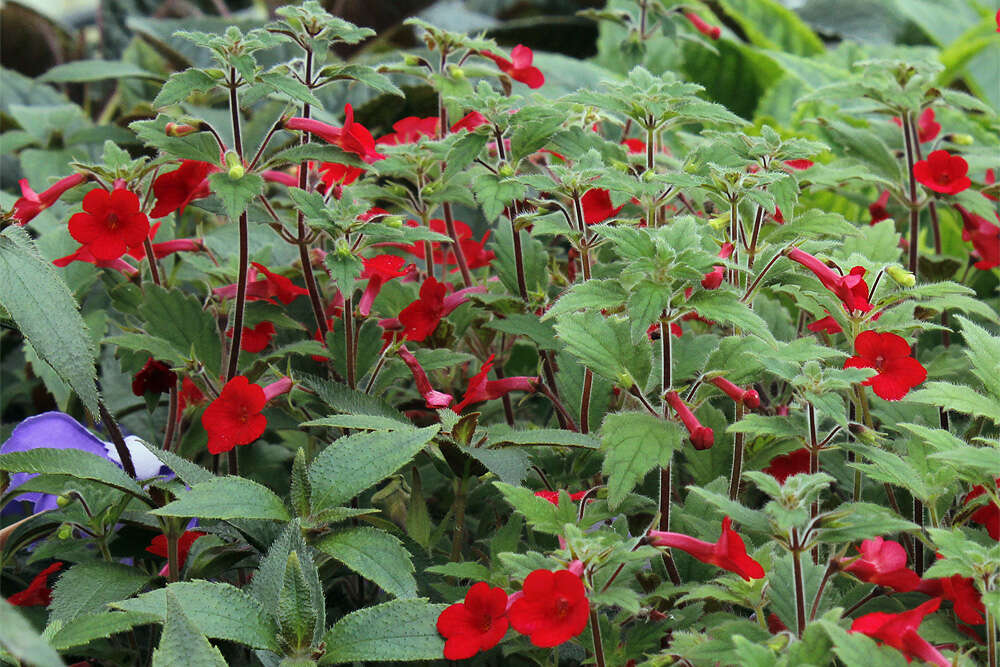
(154, 378)
(336, 176)
(477, 624)
(158, 546)
(552, 608)
(878, 209)
(711, 31)
(277, 388)
(900, 632)
(989, 179)
(111, 223)
(434, 399)
(32, 203)
(553, 496)
(784, 466)
(409, 130)
(827, 324)
(596, 204)
(83, 254)
(481, 389)
(38, 593)
(748, 397)
(279, 177)
(189, 394)
(883, 563)
(962, 593)
(889, 354)
(178, 188)
(470, 122)
(235, 418)
(519, 66)
(985, 238)
(421, 317)
(943, 172)
(851, 289)
(989, 514)
(264, 288)
(378, 271)
(728, 552)
(255, 339)
(799, 164)
(701, 437)
(927, 127)
(352, 137)
(713, 278)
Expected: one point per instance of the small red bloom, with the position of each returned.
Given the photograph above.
(352, 137)
(255, 339)
(553, 496)
(335, 175)
(31, 203)
(900, 632)
(552, 608)
(784, 466)
(270, 286)
(728, 552)
(985, 238)
(189, 394)
(154, 378)
(634, 145)
(878, 209)
(927, 127)
(519, 66)
(421, 317)
(701, 437)
(889, 354)
(178, 188)
(989, 514)
(409, 130)
(38, 593)
(481, 389)
(712, 31)
(851, 289)
(989, 179)
(748, 397)
(962, 593)
(470, 122)
(827, 324)
(110, 224)
(477, 624)
(597, 206)
(433, 398)
(799, 164)
(943, 172)
(713, 278)
(378, 271)
(883, 563)
(158, 547)
(653, 331)
(235, 418)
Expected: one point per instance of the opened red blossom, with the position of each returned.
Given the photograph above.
(154, 378)
(943, 172)
(551, 609)
(176, 189)
(476, 624)
(728, 552)
(38, 593)
(235, 418)
(900, 632)
(883, 563)
(519, 66)
(889, 354)
(111, 223)
(32, 203)
(255, 339)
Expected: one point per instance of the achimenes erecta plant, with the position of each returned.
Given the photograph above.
(608, 375)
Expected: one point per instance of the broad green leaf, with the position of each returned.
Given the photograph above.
(463, 152)
(361, 422)
(590, 295)
(983, 348)
(179, 319)
(769, 25)
(198, 146)
(181, 84)
(23, 642)
(495, 192)
(604, 345)
(726, 307)
(865, 145)
(227, 498)
(85, 629)
(220, 611)
(236, 193)
(182, 642)
(355, 462)
(37, 299)
(363, 74)
(344, 270)
(542, 515)
(73, 462)
(282, 82)
(957, 398)
(509, 464)
(634, 443)
(858, 521)
(342, 398)
(376, 555)
(750, 519)
(95, 70)
(530, 135)
(393, 631)
(502, 434)
(524, 324)
(86, 587)
(155, 346)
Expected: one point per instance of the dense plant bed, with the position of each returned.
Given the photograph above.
(682, 354)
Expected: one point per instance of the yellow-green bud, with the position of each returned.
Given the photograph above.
(961, 139)
(506, 170)
(343, 249)
(393, 221)
(65, 531)
(901, 276)
(64, 501)
(648, 176)
(235, 164)
(215, 73)
(411, 60)
(456, 71)
(625, 380)
(719, 222)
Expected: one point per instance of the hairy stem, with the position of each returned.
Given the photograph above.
(351, 360)
(830, 569)
(799, 585)
(173, 558)
(116, 437)
(737, 470)
(914, 211)
(595, 631)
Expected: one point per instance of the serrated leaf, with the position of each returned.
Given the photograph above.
(353, 463)
(726, 307)
(510, 465)
(394, 631)
(178, 318)
(634, 443)
(589, 295)
(542, 515)
(362, 422)
(37, 299)
(501, 434)
(181, 84)
(376, 555)
(866, 145)
(197, 146)
(366, 75)
(182, 642)
(604, 345)
(282, 82)
(73, 462)
(463, 153)
(86, 587)
(21, 640)
(983, 348)
(857, 521)
(96, 70)
(296, 614)
(524, 324)
(85, 629)
(494, 193)
(227, 498)
(529, 136)
(957, 398)
(236, 193)
(344, 270)
(155, 346)
(220, 611)
(340, 397)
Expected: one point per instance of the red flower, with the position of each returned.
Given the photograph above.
(481, 389)
(712, 31)
(352, 137)
(713, 278)
(379, 270)
(883, 563)
(335, 175)
(927, 128)
(985, 237)
(434, 399)
(728, 552)
(634, 145)
(653, 331)
(31, 203)
(799, 164)
(551, 609)
(110, 224)
(409, 130)
(188, 395)
(470, 122)
(961, 591)
(421, 317)
(235, 418)
(478, 624)
(178, 188)
(158, 547)
(943, 172)
(271, 285)
(748, 397)
(553, 496)
(784, 466)
(990, 179)
(989, 514)
(889, 354)
(519, 66)
(597, 206)
(878, 209)
(37, 594)
(701, 437)
(851, 289)
(154, 378)
(255, 339)
(900, 632)
(827, 324)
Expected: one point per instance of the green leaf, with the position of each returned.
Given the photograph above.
(858, 650)
(197, 146)
(376, 555)
(24, 643)
(634, 443)
(958, 398)
(178, 318)
(525, 324)
(510, 465)
(353, 463)
(604, 345)
(726, 307)
(750, 519)
(362, 422)
(364, 74)
(394, 631)
(154, 346)
(589, 295)
(73, 462)
(37, 299)
(227, 498)
(85, 629)
(236, 193)
(220, 611)
(86, 587)
(95, 70)
(340, 397)
(344, 270)
(983, 348)
(542, 515)
(528, 136)
(463, 153)
(181, 84)
(494, 193)
(297, 614)
(857, 521)
(282, 82)
(501, 434)
(865, 145)
(769, 25)
(182, 642)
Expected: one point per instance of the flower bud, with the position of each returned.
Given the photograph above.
(215, 73)
(411, 60)
(64, 501)
(506, 170)
(235, 164)
(719, 222)
(65, 532)
(343, 249)
(393, 221)
(960, 139)
(901, 276)
(178, 129)
(456, 71)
